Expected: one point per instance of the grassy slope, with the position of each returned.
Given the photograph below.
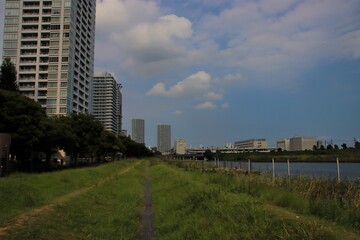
(186, 205)
(110, 211)
(22, 192)
(193, 206)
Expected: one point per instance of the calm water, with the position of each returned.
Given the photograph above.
(347, 170)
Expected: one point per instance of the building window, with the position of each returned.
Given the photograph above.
(10, 44)
(12, 4)
(52, 93)
(10, 52)
(11, 20)
(56, 10)
(10, 36)
(50, 110)
(53, 59)
(55, 27)
(52, 84)
(51, 102)
(11, 28)
(52, 76)
(63, 93)
(12, 12)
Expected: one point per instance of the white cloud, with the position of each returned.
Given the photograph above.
(177, 113)
(205, 106)
(214, 96)
(195, 84)
(278, 35)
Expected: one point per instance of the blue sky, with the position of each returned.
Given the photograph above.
(219, 71)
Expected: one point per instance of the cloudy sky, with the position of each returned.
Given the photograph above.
(219, 71)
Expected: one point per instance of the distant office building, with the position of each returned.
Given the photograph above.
(164, 138)
(51, 44)
(180, 146)
(283, 144)
(138, 130)
(107, 102)
(252, 144)
(302, 143)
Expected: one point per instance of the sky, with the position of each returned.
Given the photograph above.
(220, 71)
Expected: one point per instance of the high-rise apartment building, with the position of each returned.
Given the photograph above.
(164, 138)
(138, 130)
(51, 42)
(107, 101)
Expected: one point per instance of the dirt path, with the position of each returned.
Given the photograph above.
(27, 217)
(147, 218)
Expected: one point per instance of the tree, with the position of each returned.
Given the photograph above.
(22, 118)
(329, 147)
(56, 134)
(8, 76)
(87, 131)
(357, 145)
(109, 144)
(344, 146)
(208, 154)
(336, 147)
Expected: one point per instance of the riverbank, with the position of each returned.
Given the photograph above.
(351, 155)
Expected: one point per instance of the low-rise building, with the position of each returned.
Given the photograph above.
(302, 143)
(252, 144)
(283, 144)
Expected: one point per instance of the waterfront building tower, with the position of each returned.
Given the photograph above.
(107, 101)
(164, 138)
(138, 130)
(51, 43)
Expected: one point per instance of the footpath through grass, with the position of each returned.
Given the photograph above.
(107, 202)
(109, 211)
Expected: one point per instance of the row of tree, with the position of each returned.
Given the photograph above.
(81, 136)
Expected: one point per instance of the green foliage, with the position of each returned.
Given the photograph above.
(208, 154)
(8, 76)
(134, 149)
(22, 118)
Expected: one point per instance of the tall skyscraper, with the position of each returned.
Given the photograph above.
(107, 101)
(52, 45)
(138, 130)
(164, 138)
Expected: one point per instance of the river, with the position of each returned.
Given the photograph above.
(329, 170)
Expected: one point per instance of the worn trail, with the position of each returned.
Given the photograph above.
(27, 217)
(147, 218)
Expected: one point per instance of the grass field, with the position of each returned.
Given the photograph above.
(106, 202)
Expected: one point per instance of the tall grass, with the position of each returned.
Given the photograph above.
(192, 205)
(325, 198)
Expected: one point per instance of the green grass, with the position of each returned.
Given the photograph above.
(22, 192)
(193, 205)
(110, 211)
(328, 199)
(189, 202)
